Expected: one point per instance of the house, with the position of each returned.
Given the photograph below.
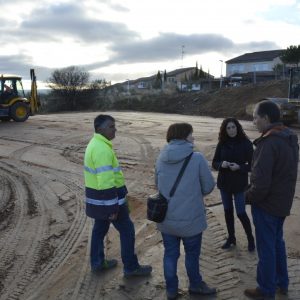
(174, 78)
(180, 79)
(255, 65)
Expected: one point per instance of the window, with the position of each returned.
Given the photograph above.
(142, 85)
(236, 68)
(260, 67)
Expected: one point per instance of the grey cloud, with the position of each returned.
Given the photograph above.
(114, 6)
(21, 65)
(69, 20)
(168, 46)
(119, 8)
(257, 46)
(12, 64)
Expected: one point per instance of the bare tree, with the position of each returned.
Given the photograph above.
(69, 83)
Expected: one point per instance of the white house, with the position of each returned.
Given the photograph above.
(263, 61)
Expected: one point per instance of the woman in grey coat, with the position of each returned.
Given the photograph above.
(186, 217)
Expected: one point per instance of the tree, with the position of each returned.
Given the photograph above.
(195, 76)
(165, 76)
(291, 55)
(99, 84)
(277, 70)
(69, 83)
(201, 73)
(207, 74)
(158, 81)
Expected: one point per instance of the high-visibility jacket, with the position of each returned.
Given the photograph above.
(105, 187)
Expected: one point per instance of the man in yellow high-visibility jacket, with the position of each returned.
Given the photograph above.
(106, 200)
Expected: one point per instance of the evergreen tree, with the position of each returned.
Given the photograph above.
(165, 76)
(208, 75)
(291, 55)
(196, 73)
(201, 73)
(158, 81)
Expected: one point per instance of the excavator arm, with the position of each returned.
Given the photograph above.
(34, 101)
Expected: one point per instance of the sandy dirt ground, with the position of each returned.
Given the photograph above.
(45, 234)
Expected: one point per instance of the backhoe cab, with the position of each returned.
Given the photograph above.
(290, 107)
(13, 103)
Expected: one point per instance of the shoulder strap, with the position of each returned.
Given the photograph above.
(186, 161)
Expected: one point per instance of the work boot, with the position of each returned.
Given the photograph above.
(106, 265)
(282, 291)
(257, 294)
(203, 289)
(229, 218)
(248, 230)
(172, 296)
(140, 271)
(230, 241)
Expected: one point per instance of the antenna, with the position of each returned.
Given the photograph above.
(182, 53)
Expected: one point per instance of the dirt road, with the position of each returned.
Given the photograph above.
(45, 235)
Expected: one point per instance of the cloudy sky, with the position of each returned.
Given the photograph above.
(126, 39)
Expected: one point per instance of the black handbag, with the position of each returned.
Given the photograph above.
(157, 204)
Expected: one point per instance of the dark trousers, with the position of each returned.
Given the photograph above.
(127, 239)
(272, 261)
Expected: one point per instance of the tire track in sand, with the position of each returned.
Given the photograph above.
(22, 242)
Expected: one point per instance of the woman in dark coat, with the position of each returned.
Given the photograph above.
(233, 161)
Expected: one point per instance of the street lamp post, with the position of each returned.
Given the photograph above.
(128, 80)
(221, 76)
(162, 79)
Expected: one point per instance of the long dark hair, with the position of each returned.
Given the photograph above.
(223, 136)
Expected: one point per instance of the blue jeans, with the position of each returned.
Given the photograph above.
(272, 261)
(192, 246)
(239, 201)
(127, 238)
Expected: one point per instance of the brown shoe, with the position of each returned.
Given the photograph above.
(257, 294)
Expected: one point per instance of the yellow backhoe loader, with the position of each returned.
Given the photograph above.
(290, 106)
(13, 103)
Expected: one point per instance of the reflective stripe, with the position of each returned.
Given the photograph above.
(99, 170)
(122, 201)
(117, 169)
(102, 202)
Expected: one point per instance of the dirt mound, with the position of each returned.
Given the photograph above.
(228, 101)
(231, 101)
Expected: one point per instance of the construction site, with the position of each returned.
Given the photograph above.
(45, 234)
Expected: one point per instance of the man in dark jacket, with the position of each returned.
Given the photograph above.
(271, 192)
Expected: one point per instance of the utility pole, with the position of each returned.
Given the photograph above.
(182, 53)
(128, 81)
(221, 76)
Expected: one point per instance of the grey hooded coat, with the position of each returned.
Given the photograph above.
(186, 214)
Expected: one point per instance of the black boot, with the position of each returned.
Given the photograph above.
(247, 227)
(229, 218)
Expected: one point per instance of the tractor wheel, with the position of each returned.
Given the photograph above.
(19, 112)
